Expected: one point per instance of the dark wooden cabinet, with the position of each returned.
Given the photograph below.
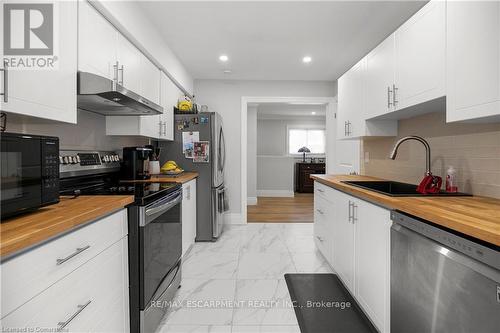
(303, 171)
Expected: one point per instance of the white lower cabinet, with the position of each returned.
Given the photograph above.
(372, 261)
(91, 297)
(188, 215)
(355, 238)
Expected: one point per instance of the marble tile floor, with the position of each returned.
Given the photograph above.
(236, 285)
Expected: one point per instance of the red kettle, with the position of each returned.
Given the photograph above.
(430, 184)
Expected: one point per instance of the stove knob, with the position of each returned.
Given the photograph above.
(77, 158)
(73, 160)
(106, 158)
(65, 160)
(61, 160)
(117, 158)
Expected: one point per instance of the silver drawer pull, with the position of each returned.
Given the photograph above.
(320, 211)
(77, 252)
(63, 324)
(320, 190)
(319, 238)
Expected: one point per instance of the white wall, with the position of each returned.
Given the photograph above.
(129, 18)
(251, 155)
(88, 134)
(275, 167)
(224, 96)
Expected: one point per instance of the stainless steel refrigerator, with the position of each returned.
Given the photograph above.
(211, 192)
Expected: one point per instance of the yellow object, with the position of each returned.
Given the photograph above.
(184, 104)
(169, 166)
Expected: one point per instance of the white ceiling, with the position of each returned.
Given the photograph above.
(267, 40)
(284, 110)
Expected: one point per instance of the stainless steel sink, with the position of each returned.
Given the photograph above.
(397, 189)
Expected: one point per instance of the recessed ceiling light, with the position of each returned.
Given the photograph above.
(223, 58)
(227, 71)
(306, 59)
(313, 113)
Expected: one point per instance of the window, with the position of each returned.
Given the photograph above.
(312, 138)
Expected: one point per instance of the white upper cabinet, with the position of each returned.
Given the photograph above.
(420, 57)
(46, 93)
(473, 60)
(95, 33)
(129, 64)
(103, 50)
(379, 78)
(351, 115)
(351, 101)
(170, 93)
(405, 70)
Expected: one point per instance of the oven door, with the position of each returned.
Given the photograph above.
(21, 169)
(160, 243)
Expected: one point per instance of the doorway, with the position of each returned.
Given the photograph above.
(283, 134)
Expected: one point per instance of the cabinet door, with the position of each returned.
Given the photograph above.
(420, 56)
(379, 78)
(97, 42)
(473, 60)
(373, 227)
(351, 115)
(48, 93)
(343, 240)
(169, 96)
(150, 80)
(129, 61)
(188, 215)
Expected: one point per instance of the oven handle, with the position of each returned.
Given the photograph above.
(165, 204)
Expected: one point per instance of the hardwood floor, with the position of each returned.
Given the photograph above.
(281, 210)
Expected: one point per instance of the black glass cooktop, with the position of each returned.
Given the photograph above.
(144, 193)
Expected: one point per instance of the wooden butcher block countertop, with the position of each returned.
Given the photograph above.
(26, 231)
(181, 179)
(475, 216)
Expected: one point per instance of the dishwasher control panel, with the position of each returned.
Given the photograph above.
(474, 250)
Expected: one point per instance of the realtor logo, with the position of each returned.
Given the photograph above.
(28, 29)
(30, 35)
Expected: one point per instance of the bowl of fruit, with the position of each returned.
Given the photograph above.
(171, 168)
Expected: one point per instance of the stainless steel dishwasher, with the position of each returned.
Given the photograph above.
(440, 281)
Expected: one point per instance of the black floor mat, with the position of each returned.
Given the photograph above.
(311, 294)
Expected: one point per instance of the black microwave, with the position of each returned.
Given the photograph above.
(30, 172)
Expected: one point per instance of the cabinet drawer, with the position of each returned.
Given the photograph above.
(324, 191)
(92, 297)
(28, 274)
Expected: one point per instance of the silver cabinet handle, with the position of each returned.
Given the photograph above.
(345, 128)
(389, 103)
(165, 128)
(394, 100)
(120, 70)
(63, 324)
(5, 92)
(115, 75)
(320, 211)
(351, 211)
(320, 238)
(160, 123)
(77, 252)
(321, 190)
(354, 209)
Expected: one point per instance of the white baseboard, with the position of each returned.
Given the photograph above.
(251, 201)
(233, 218)
(275, 193)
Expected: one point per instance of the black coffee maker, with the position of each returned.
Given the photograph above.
(136, 163)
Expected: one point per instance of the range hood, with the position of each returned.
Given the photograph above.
(104, 96)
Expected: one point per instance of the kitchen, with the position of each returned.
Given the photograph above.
(124, 195)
